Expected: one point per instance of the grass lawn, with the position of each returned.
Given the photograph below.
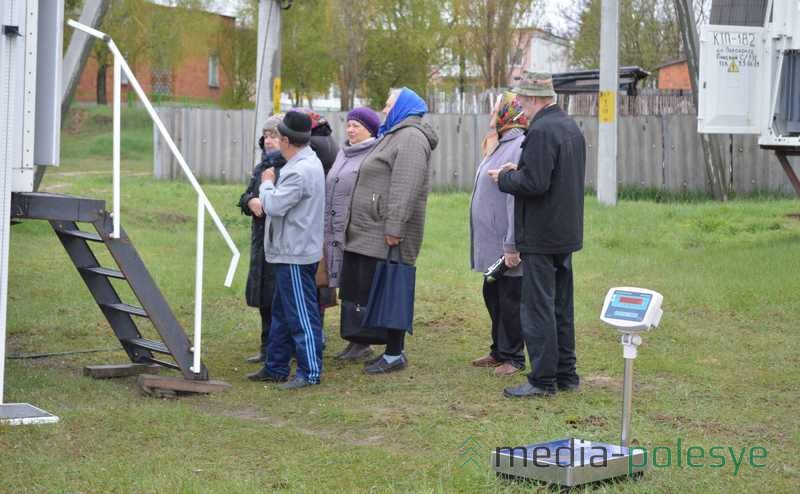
(722, 370)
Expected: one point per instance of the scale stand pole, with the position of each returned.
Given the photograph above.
(630, 344)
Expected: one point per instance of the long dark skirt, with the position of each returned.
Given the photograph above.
(356, 277)
(354, 286)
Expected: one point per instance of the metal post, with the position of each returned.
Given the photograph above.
(268, 63)
(627, 402)
(116, 153)
(198, 285)
(630, 348)
(607, 104)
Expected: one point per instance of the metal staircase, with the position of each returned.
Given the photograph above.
(174, 350)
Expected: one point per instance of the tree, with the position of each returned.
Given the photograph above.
(648, 34)
(488, 35)
(160, 34)
(306, 65)
(406, 39)
(348, 22)
(237, 47)
(718, 177)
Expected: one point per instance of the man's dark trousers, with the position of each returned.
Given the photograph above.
(502, 301)
(296, 327)
(548, 323)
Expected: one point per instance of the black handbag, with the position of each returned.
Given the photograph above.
(352, 330)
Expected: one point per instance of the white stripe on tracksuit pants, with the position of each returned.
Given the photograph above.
(296, 323)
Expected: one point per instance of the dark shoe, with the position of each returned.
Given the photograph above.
(265, 376)
(487, 361)
(506, 370)
(569, 386)
(256, 359)
(296, 383)
(381, 366)
(344, 352)
(358, 352)
(371, 361)
(526, 390)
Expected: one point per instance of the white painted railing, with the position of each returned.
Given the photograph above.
(203, 204)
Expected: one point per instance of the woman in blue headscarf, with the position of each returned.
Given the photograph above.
(388, 209)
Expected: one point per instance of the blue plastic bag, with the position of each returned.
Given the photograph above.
(391, 297)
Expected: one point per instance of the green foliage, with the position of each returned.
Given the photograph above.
(157, 35)
(348, 25)
(484, 35)
(237, 46)
(406, 40)
(648, 34)
(307, 68)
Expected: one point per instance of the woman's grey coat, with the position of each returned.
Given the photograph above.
(492, 211)
(392, 192)
(339, 186)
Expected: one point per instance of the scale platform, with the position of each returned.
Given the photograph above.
(24, 414)
(567, 462)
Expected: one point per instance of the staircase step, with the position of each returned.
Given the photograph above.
(168, 365)
(130, 309)
(91, 237)
(111, 273)
(152, 345)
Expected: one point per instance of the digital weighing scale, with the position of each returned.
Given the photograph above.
(24, 414)
(572, 461)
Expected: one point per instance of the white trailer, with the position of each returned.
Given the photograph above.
(750, 81)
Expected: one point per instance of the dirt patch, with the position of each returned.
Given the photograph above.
(171, 217)
(253, 414)
(794, 216)
(591, 420)
(77, 119)
(605, 382)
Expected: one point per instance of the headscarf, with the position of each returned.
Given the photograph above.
(317, 120)
(510, 114)
(408, 104)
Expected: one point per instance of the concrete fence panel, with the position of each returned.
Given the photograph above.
(655, 151)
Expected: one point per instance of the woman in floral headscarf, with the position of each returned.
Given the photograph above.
(492, 236)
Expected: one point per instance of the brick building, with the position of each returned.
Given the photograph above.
(197, 76)
(674, 76)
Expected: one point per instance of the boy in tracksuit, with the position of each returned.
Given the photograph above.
(294, 208)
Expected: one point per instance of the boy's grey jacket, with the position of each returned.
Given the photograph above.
(391, 192)
(294, 209)
(491, 211)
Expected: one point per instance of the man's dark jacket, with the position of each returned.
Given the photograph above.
(548, 185)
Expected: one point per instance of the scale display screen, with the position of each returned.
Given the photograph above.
(628, 306)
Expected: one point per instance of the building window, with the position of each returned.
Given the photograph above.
(213, 71)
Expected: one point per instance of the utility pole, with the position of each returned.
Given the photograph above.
(607, 104)
(268, 65)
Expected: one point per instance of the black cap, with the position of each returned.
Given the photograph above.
(296, 126)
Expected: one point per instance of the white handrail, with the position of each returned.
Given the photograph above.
(121, 66)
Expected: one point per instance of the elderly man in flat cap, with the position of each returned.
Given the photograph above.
(548, 189)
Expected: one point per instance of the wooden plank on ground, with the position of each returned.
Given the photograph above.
(118, 370)
(156, 385)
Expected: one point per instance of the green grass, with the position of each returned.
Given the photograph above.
(720, 371)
